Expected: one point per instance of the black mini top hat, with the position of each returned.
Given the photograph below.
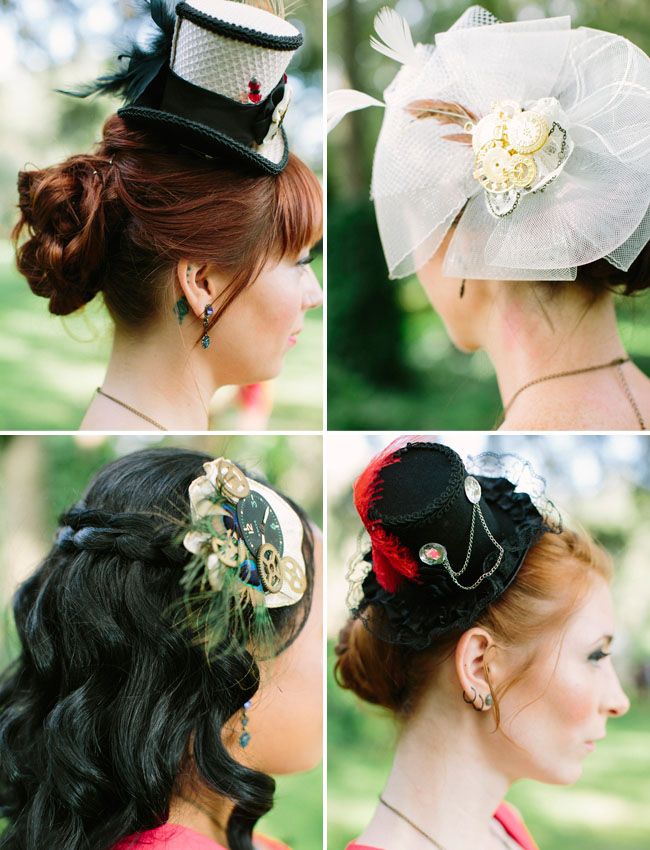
(213, 81)
(446, 539)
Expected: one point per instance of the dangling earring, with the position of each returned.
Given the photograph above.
(205, 339)
(462, 289)
(245, 736)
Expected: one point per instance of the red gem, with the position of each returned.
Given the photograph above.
(434, 554)
(284, 78)
(255, 97)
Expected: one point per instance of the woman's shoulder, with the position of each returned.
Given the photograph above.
(171, 836)
(513, 823)
(508, 817)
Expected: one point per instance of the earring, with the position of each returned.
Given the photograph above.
(245, 736)
(462, 289)
(208, 311)
(485, 702)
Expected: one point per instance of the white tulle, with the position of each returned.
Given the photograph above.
(598, 205)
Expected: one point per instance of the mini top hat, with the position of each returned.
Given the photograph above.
(214, 81)
(445, 539)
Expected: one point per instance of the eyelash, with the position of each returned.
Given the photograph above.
(598, 655)
(306, 260)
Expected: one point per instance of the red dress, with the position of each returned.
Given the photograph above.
(507, 817)
(171, 836)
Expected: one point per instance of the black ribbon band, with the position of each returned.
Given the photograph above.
(247, 123)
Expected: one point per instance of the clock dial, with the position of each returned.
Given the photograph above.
(258, 523)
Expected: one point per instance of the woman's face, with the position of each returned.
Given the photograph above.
(263, 323)
(552, 718)
(286, 715)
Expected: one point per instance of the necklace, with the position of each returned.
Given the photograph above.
(426, 834)
(616, 363)
(151, 421)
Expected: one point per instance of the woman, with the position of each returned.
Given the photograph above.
(485, 628)
(511, 175)
(191, 218)
(170, 647)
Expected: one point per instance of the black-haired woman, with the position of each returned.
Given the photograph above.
(170, 647)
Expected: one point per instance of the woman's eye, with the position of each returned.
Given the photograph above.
(305, 261)
(598, 655)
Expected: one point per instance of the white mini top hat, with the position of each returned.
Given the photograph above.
(213, 81)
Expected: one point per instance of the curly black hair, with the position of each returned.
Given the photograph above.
(108, 697)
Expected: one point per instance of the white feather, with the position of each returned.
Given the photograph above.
(342, 101)
(395, 39)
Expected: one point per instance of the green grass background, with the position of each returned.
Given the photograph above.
(50, 367)
(608, 809)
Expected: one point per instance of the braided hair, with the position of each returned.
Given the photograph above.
(98, 711)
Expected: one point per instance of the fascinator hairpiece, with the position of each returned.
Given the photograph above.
(547, 167)
(442, 538)
(246, 543)
(213, 80)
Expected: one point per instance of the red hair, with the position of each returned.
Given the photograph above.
(119, 220)
(552, 581)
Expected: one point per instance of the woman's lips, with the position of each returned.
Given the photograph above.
(293, 339)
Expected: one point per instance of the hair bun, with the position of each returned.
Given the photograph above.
(64, 210)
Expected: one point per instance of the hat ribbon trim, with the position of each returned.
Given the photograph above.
(243, 122)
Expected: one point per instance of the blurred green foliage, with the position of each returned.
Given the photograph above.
(64, 467)
(390, 362)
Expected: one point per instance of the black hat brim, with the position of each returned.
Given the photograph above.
(203, 140)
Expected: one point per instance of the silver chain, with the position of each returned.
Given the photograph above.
(454, 575)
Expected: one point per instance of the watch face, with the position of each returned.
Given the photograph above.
(258, 523)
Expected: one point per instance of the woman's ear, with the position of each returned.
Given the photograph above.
(200, 285)
(473, 651)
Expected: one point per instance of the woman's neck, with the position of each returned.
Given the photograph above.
(528, 338)
(161, 375)
(444, 782)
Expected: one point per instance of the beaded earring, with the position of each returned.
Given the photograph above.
(245, 736)
(207, 312)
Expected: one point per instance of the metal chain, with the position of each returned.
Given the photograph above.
(618, 361)
(454, 575)
(426, 835)
(153, 422)
(630, 398)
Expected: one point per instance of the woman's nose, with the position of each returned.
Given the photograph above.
(617, 703)
(312, 293)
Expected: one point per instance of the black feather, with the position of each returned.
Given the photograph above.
(143, 64)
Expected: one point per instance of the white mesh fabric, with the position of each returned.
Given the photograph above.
(224, 65)
(596, 207)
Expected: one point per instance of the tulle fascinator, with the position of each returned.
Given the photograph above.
(442, 538)
(212, 80)
(532, 136)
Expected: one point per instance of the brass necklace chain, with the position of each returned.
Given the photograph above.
(424, 834)
(123, 404)
(617, 363)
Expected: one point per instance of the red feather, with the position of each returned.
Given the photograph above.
(391, 559)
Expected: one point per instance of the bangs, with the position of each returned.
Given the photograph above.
(299, 209)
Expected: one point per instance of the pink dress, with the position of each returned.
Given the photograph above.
(507, 816)
(171, 836)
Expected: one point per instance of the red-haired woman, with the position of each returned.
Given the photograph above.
(191, 218)
(485, 629)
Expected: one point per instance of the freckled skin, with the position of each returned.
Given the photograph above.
(250, 340)
(564, 700)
